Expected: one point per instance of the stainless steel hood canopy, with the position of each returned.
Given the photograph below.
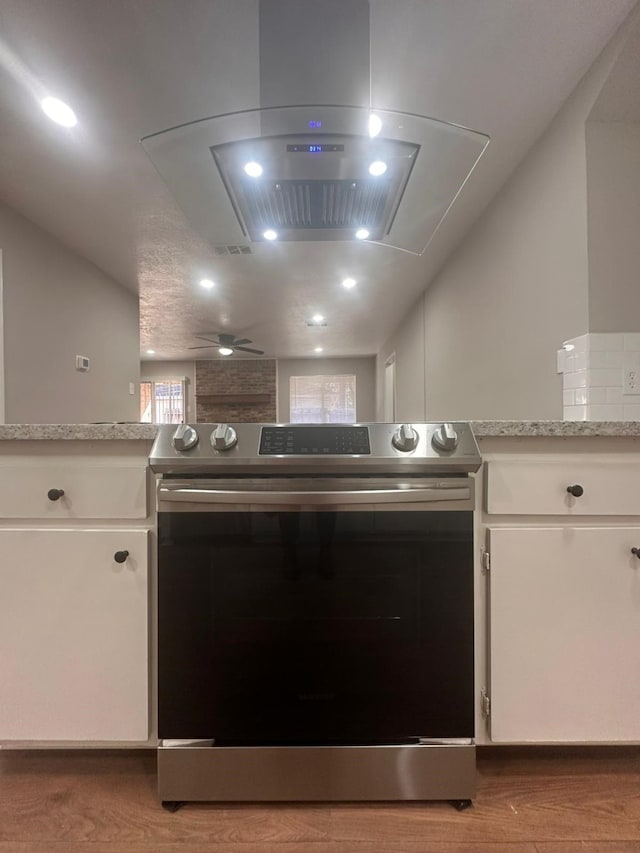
(315, 155)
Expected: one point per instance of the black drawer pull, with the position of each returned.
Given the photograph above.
(636, 551)
(55, 494)
(576, 491)
(120, 556)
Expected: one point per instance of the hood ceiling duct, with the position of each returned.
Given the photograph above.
(311, 145)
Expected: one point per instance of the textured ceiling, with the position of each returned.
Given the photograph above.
(131, 68)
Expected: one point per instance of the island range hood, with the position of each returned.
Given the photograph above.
(318, 160)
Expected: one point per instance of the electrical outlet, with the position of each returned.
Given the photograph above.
(631, 383)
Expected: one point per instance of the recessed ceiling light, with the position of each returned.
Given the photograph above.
(318, 349)
(225, 350)
(253, 169)
(59, 112)
(207, 283)
(151, 352)
(349, 283)
(375, 125)
(362, 233)
(377, 168)
(270, 234)
(318, 318)
(568, 347)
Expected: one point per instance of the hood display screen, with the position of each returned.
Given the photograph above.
(322, 148)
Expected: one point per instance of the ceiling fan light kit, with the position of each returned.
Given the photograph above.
(227, 344)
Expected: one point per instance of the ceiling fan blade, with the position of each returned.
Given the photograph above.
(203, 338)
(247, 349)
(241, 341)
(209, 346)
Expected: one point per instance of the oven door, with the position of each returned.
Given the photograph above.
(316, 612)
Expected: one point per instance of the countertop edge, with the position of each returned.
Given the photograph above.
(481, 429)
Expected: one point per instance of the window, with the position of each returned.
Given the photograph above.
(322, 399)
(162, 401)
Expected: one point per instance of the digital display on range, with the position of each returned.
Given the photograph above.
(314, 441)
(319, 148)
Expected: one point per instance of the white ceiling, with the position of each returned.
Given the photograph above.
(130, 68)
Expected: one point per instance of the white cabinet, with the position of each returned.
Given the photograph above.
(565, 634)
(562, 598)
(74, 635)
(75, 622)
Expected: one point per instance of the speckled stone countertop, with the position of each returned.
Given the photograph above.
(75, 432)
(564, 429)
(482, 429)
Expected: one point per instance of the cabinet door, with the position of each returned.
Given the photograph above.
(564, 635)
(73, 635)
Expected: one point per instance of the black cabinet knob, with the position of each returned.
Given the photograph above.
(120, 556)
(576, 491)
(636, 551)
(55, 494)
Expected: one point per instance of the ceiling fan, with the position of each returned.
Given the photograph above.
(228, 344)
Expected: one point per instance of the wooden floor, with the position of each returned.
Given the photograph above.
(105, 802)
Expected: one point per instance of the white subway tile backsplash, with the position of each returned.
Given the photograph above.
(579, 344)
(593, 380)
(599, 341)
(604, 378)
(575, 413)
(613, 396)
(580, 378)
(580, 361)
(603, 359)
(605, 413)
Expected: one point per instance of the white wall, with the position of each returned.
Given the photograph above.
(57, 305)
(173, 370)
(364, 370)
(514, 290)
(613, 191)
(409, 348)
(2, 382)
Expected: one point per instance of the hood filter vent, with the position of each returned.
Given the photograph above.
(325, 194)
(315, 204)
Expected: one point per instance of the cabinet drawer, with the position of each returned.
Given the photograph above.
(89, 492)
(532, 487)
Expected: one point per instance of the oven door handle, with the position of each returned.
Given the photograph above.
(193, 494)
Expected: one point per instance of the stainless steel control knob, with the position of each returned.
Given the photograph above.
(445, 437)
(184, 438)
(405, 438)
(224, 437)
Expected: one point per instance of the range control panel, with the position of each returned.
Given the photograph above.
(314, 440)
(309, 449)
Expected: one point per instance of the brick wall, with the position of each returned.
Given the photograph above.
(249, 385)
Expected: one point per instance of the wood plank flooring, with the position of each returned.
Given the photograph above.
(538, 801)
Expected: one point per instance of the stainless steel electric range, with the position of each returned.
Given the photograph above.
(315, 595)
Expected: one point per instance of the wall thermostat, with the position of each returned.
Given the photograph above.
(82, 363)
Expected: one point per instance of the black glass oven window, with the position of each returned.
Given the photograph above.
(314, 440)
(316, 627)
